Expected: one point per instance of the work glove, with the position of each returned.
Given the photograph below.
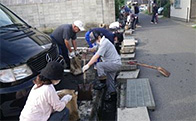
(77, 52)
(84, 50)
(72, 54)
(85, 67)
(66, 98)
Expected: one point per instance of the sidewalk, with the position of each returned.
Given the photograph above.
(169, 44)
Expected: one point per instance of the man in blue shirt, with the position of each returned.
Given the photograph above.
(108, 34)
(114, 38)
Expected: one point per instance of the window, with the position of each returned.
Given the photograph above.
(177, 4)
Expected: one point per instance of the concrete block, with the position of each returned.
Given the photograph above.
(127, 56)
(127, 67)
(133, 114)
(121, 100)
(128, 42)
(127, 50)
(139, 94)
(124, 75)
(128, 32)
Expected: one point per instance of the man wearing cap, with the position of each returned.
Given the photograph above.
(111, 61)
(61, 37)
(108, 34)
(112, 37)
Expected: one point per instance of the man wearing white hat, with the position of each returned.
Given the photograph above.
(63, 34)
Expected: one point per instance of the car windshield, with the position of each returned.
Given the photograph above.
(8, 19)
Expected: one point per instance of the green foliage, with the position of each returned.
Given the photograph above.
(118, 5)
(166, 11)
(162, 3)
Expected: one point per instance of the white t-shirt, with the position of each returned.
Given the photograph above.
(41, 103)
(114, 25)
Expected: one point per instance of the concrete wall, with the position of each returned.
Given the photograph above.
(52, 13)
(193, 9)
(181, 13)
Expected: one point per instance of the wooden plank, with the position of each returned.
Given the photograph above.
(133, 114)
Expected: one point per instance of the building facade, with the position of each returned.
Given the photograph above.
(52, 13)
(183, 9)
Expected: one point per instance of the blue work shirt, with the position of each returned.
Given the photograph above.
(127, 9)
(108, 34)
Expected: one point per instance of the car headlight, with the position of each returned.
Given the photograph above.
(14, 74)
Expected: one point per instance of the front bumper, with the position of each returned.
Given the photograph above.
(13, 98)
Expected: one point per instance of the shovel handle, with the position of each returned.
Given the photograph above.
(144, 65)
(84, 74)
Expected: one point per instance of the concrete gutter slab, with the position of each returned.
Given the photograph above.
(128, 32)
(129, 37)
(128, 42)
(127, 67)
(124, 75)
(133, 114)
(127, 56)
(139, 94)
(128, 50)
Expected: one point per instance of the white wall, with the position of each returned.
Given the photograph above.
(182, 11)
(52, 13)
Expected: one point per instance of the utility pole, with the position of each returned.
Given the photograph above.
(149, 8)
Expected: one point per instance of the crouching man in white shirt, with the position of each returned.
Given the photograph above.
(43, 103)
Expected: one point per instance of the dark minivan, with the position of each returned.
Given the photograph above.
(24, 51)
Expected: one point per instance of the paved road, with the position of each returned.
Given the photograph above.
(171, 45)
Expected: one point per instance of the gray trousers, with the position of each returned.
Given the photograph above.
(108, 69)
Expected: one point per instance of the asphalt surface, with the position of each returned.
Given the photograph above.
(171, 45)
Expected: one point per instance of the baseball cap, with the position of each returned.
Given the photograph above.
(53, 71)
(79, 24)
(92, 37)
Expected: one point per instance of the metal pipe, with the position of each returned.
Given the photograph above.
(187, 16)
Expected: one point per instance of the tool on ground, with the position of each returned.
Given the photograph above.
(76, 65)
(84, 89)
(160, 69)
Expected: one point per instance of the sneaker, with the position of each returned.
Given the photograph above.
(155, 23)
(152, 22)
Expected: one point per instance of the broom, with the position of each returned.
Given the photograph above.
(160, 69)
